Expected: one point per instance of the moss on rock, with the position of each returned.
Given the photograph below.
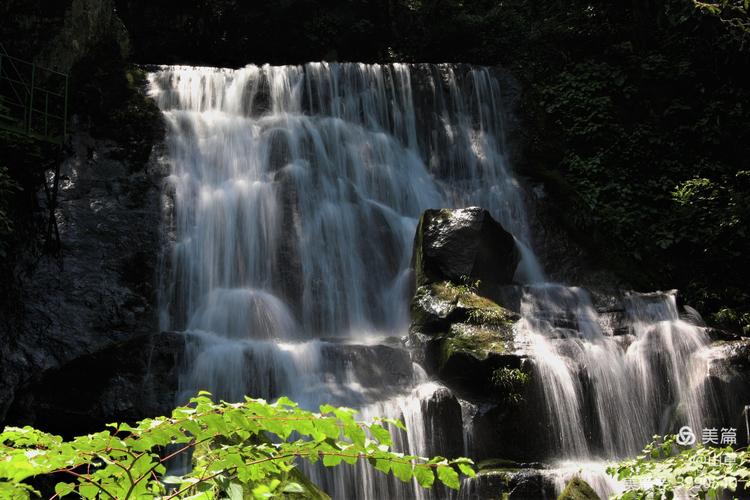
(439, 305)
(476, 341)
(578, 489)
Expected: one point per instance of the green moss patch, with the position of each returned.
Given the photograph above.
(578, 489)
(476, 341)
(443, 303)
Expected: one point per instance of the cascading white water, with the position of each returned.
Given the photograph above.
(607, 395)
(296, 193)
(633, 386)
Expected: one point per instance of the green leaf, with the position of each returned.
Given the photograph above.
(383, 465)
(331, 460)
(293, 488)
(425, 476)
(381, 434)
(234, 491)
(466, 469)
(402, 470)
(63, 489)
(89, 490)
(448, 476)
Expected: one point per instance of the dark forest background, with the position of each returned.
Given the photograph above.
(635, 113)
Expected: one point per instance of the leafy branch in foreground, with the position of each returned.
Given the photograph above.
(665, 468)
(236, 450)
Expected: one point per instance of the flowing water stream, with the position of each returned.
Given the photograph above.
(295, 193)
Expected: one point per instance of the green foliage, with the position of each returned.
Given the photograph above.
(735, 13)
(236, 449)
(731, 319)
(636, 118)
(511, 383)
(666, 468)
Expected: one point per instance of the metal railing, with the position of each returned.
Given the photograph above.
(33, 99)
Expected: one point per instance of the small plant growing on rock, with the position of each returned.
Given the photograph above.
(510, 382)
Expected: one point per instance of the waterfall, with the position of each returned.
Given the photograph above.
(294, 198)
(624, 383)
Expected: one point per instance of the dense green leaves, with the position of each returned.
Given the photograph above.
(237, 450)
(666, 468)
(637, 121)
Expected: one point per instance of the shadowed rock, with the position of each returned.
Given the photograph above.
(464, 244)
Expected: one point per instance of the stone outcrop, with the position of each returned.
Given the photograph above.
(467, 340)
(81, 338)
(464, 245)
(97, 301)
(460, 334)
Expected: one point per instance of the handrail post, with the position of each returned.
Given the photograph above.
(31, 97)
(65, 111)
(46, 112)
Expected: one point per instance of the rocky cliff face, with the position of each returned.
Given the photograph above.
(80, 344)
(92, 312)
(57, 36)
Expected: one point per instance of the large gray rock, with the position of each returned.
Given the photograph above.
(464, 245)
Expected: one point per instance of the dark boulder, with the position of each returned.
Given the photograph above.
(509, 482)
(464, 245)
(126, 382)
(443, 412)
(728, 385)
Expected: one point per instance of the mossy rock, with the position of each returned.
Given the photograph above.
(437, 306)
(465, 336)
(578, 489)
(470, 356)
(477, 341)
